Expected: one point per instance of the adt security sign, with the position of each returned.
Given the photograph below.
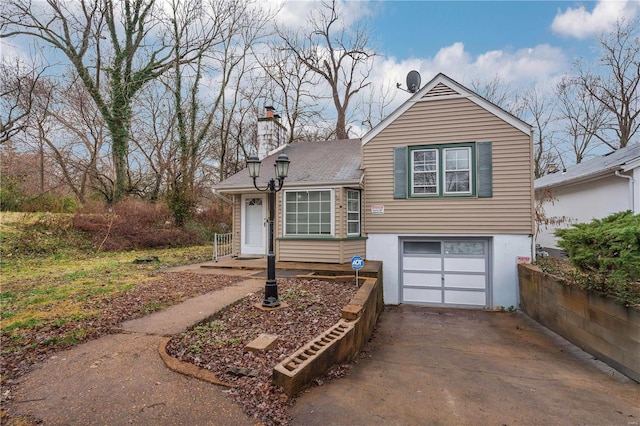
(357, 262)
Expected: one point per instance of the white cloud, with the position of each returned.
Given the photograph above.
(518, 68)
(295, 14)
(578, 22)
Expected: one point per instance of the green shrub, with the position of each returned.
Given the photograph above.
(10, 195)
(608, 251)
(43, 234)
(50, 203)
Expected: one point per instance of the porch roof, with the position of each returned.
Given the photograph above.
(334, 162)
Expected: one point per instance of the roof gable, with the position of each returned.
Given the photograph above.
(442, 87)
(622, 159)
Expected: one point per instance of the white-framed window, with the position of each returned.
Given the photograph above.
(353, 212)
(457, 170)
(308, 212)
(424, 167)
(441, 170)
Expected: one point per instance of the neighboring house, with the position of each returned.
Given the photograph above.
(593, 189)
(441, 192)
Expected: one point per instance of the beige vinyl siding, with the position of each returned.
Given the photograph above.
(353, 247)
(443, 121)
(340, 211)
(325, 250)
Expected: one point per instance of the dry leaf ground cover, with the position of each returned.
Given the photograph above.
(56, 293)
(218, 344)
(50, 303)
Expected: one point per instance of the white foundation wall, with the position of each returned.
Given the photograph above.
(504, 262)
(504, 249)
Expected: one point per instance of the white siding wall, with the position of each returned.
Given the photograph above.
(503, 274)
(584, 202)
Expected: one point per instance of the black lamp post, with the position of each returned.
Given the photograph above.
(271, 299)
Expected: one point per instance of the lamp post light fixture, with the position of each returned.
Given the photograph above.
(271, 299)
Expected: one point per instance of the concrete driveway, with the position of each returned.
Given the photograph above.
(428, 366)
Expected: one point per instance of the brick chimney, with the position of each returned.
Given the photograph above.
(271, 133)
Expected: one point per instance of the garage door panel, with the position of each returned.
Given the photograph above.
(422, 263)
(465, 297)
(445, 272)
(460, 264)
(421, 279)
(465, 281)
(422, 295)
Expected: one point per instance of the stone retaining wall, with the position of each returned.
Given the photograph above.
(593, 322)
(339, 344)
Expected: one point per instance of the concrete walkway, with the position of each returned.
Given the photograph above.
(121, 380)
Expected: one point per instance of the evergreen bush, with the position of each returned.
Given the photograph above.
(608, 251)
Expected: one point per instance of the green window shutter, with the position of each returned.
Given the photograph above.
(485, 170)
(400, 172)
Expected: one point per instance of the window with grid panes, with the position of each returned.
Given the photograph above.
(308, 212)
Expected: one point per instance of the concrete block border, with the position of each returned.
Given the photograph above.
(596, 323)
(339, 344)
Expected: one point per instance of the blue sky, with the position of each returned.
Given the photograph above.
(408, 29)
(521, 42)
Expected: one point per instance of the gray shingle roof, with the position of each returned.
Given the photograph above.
(312, 163)
(590, 168)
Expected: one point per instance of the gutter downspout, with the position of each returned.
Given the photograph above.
(631, 194)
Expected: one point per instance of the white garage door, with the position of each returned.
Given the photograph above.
(445, 272)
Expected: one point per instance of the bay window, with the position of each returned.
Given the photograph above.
(308, 212)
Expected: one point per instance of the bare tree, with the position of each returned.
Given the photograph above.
(18, 84)
(66, 127)
(289, 83)
(582, 117)
(338, 54)
(373, 107)
(614, 82)
(538, 108)
(495, 91)
(113, 47)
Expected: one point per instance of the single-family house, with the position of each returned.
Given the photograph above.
(592, 189)
(441, 192)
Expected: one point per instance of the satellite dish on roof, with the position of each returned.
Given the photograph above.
(413, 81)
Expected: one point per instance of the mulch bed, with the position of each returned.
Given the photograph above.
(218, 344)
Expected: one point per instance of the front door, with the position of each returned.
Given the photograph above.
(254, 229)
